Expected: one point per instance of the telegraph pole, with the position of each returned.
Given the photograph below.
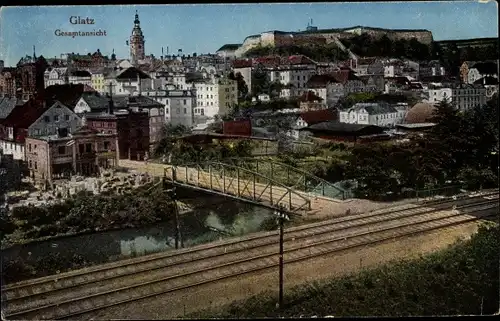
(173, 196)
(281, 218)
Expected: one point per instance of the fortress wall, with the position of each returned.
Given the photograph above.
(248, 44)
(267, 39)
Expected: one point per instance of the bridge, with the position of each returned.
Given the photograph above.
(259, 181)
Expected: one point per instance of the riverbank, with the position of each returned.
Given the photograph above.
(203, 224)
(84, 213)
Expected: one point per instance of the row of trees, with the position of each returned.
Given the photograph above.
(327, 52)
(461, 148)
(366, 45)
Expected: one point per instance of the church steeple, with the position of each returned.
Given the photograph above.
(136, 41)
(136, 21)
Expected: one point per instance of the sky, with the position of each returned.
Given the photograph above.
(203, 28)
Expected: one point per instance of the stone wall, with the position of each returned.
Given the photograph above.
(277, 40)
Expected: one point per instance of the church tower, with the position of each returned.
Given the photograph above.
(136, 41)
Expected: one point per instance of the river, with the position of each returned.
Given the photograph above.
(212, 218)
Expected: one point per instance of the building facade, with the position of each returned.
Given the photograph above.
(131, 129)
(378, 114)
(84, 152)
(215, 97)
(462, 96)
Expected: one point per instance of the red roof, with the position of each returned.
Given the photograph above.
(242, 63)
(344, 75)
(318, 116)
(298, 60)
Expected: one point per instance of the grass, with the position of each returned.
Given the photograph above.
(462, 279)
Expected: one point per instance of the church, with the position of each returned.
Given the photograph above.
(137, 42)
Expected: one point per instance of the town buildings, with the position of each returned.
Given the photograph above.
(8, 82)
(463, 96)
(59, 155)
(378, 114)
(214, 96)
(34, 118)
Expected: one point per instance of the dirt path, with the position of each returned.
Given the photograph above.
(218, 294)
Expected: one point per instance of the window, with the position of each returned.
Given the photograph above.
(61, 150)
(202, 112)
(88, 148)
(81, 148)
(178, 110)
(106, 145)
(35, 166)
(166, 110)
(56, 118)
(66, 117)
(184, 101)
(185, 111)
(30, 164)
(29, 147)
(46, 119)
(34, 147)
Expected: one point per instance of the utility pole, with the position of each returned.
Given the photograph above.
(173, 196)
(281, 218)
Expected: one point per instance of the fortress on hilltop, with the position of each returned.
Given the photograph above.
(313, 35)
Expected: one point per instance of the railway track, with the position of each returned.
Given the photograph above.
(74, 294)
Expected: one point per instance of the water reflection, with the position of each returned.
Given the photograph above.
(219, 218)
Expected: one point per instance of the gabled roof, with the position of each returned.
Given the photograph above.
(132, 73)
(487, 80)
(67, 94)
(135, 101)
(22, 116)
(318, 116)
(486, 68)
(7, 105)
(297, 60)
(95, 100)
(345, 75)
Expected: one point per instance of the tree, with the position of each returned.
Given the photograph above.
(242, 85)
(169, 135)
(260, 82)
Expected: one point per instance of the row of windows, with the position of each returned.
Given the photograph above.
(200, 111)
(13, 147)
(178, 110)
(56, 118)
(211, 103)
